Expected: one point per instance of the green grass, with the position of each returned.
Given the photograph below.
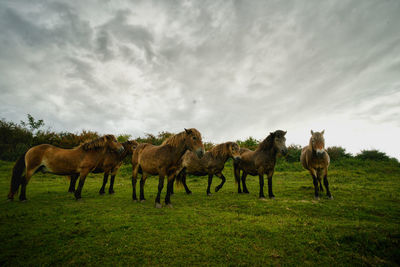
(359, 227)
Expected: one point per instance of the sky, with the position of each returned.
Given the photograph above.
(231, 69)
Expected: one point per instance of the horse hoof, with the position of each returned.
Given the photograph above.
(262, 198)
(316, 198)
(271, 197)
(111, 193)
(330, 197)
(217, 189)
(189, 192)
(71, 191)
(209, 194)
(22, 200)
(169, 206)
(142, 200)
(135, 200)
(246, 192)
(158, 205)
(101, 193)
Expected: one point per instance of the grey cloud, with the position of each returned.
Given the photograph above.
(230, 68)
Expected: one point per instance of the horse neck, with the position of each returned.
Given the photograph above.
(221, 156)
(178, 150)
(271, 152)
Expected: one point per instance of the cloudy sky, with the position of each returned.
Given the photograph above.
(232, 69)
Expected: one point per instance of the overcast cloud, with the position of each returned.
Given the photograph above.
(232, 69)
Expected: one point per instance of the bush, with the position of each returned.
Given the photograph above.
(294, 152)
(337, 152)
(250, 143)
(372, 155)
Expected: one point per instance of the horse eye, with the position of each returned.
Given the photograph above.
(194, 137)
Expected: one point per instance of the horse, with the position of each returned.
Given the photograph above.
(50, 159)
(212, 163)
(110, 164)
(316, 160)
(163, 160)
(261, 161)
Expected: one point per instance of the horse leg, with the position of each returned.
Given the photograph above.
(261, 179)
(319, 181)
(135, 170)
(105, 178)
(245, 190)
(170, 185)
(183, 173)
(24, 181)
(315, 182)
(142, 182)
(160, 187)
(72, 183)
(270, 194)
(236, 172)
(326, 184)
(220, 175)
(172, 189)
(82, 178)
(210, 176)
(111, 188)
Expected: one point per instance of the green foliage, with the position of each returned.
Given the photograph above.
(153, 139)
(337, 152)
(360, 227)
(32, 123)
(123, 137)
(294, 152)
(372, 155)
(250, 143)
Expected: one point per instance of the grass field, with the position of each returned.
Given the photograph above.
(359, 227)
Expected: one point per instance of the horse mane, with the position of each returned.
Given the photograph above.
(220, 150)
(94, 144)
(174, 140)
(177, 139)
(266, 143)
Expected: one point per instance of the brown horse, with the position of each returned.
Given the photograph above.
(47, 158)
(316, 160)
(211, 164)
(109, 164)
(261, 161)
(163, 160)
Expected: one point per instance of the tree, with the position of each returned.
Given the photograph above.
(32, 124)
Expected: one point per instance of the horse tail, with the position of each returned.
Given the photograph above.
(17, 177)
(236, 172)
(179, 179)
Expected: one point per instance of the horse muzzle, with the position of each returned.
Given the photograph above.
(121, 149)
(200, 152)
(237, 159)
(320, 153)
(284, 152)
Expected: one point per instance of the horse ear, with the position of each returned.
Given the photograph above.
(188, 131)
(323, 131)
(312, 132)
(284, 133)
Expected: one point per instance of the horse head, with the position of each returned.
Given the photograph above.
(193, 141)
(317, 143)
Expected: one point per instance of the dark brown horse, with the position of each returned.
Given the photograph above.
(163, 160)
(211, 164)
(261, 161)
(109, 164)
(316, 160)
(50, 159)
